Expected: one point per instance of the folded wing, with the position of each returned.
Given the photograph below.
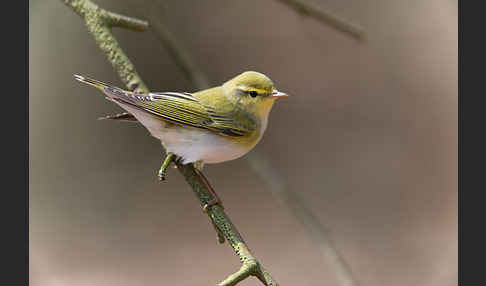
(185, 109)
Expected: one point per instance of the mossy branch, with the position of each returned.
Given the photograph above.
(99, 23)
(325, 17)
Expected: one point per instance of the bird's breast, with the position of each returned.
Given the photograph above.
(194, 144)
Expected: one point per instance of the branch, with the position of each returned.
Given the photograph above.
(117, 20)
(263, 168)
(182, 58)
(100, 28)
(319, 234)
(98, 25)
(250, 265)
(325, 17)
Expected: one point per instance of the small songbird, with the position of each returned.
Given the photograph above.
(209, 126)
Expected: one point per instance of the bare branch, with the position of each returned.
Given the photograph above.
(250, 267)
(236, 277)
(117, 20)
(319, 234)
(181, 57)
(307, 9)
(223, 222)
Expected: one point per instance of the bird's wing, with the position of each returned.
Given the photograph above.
(227, 123)
(184, 109)
(180, 108)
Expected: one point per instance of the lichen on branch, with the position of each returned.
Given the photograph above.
(99, 23)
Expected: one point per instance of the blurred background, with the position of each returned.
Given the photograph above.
(367, 142)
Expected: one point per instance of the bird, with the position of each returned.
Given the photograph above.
(210, 126)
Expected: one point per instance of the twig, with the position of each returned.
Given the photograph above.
(264, 169)
(117, 20)
(308, 9)
(99, 27)
(182, 58)
(319, 234)
(221, 220)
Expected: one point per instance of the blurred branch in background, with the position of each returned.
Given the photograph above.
(121, 21)
(178, 52)
(319, 234)
(99, 23)
(308, 9)
(257, 161)
(181, 57)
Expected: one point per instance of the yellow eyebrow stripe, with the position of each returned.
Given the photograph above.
(260, 91)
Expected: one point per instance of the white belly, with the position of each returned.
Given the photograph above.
(196, 144)
(189, 143)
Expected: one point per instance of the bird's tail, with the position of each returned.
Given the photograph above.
(112, 92)
(93, 82)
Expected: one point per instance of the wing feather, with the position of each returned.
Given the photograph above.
(185, 109)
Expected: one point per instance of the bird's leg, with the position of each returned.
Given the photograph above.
(215, 200)
(168, 160)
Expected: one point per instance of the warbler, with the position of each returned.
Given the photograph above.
(209, 126)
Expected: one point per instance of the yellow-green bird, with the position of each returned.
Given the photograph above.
(209, 126)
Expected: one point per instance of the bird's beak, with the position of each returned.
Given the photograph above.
(277, 93)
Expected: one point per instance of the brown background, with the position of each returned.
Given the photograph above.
(368, 140)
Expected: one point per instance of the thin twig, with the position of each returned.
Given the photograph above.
(182, 58)
(319, 233)
(95, 20)
(117, 20)
(308, 9)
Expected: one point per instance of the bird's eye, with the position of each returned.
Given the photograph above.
(253, 93)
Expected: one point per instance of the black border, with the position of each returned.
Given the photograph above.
(471, 173)
(14, 135)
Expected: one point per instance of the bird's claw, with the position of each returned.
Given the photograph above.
(161, 176)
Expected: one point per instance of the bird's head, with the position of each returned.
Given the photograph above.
(253, 92)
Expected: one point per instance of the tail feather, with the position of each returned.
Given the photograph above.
(93, 82)
(112, 92)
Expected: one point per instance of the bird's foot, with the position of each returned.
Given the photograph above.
(162, 172)
(161, 175)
